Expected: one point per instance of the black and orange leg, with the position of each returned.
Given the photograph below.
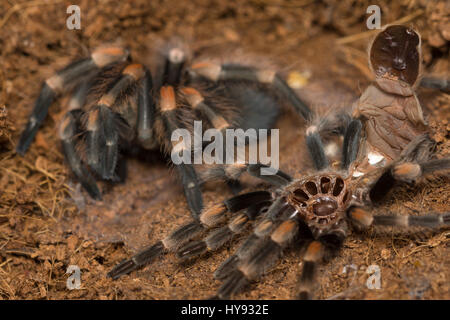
(68, 133)
(313, 255)
(253, 202)
(324, 247)
(208, 219)
(215, 72)
(102, 132)
(411, 171)
(266, 253)
(232, 172)
(362, 218)
(261, 231)
(69, 77)
(146, 113)
(197, 102)
(191, 185)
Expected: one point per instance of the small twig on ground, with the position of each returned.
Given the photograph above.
(19, 6)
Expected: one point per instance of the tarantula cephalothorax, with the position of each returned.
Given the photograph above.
(116, 105)
(316, 210)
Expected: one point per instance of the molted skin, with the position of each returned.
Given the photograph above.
(394, 54)
(389, 109)
(320, 200)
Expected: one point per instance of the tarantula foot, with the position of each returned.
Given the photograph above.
(125, 267)
(304, 295)
(446, 219)
(137, 261)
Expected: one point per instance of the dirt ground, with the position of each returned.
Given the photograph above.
(47, 223)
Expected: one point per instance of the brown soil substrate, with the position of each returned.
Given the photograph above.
(47, 223)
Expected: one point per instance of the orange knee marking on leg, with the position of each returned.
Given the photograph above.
(238, 222)
(107, 100)
(201, 65)
(361, 216)
(265, 76)
(107, 55)
(213, 215)
(314, 251)
(192, 96)
(235, 169)
(55, 82)
(248, 270)
(284, 232)
(63, 134)
(92, 120)
(407, 170)
(135, 70)
(263, 227)
(167, 99)
(207, 70)
(219, 123)
(113, 51)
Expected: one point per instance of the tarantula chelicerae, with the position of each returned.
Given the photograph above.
(317, 210)
(115, 106)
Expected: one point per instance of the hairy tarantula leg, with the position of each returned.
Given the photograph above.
(233, 172)
(351, 143)
(234, 185)
(248, 247)
(312, 257)
(278, 178)
(67, 133)
(66, 78)
(187, 172)
(216, 72)
(315, 148)
(265, 256)
(146, 112)
(317, 250)
(196, 100)
(191, 188)
(214, 239)
(410, 171)
(102, 140)
(436, 83)
(363, 218)
(173, 67)
(102, 136)
(217, 238)
(208, 219)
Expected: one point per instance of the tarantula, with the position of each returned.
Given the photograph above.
(115, 106)
(317, 210)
